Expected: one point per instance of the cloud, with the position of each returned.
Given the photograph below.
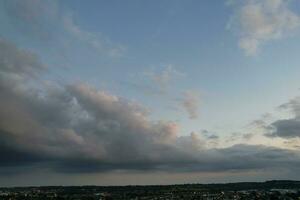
(248, 136)
(155, 82)
(34, 17)
(190, 102)
(47, 21)
(286, 128)
(293, 106)
(76, 128)
(210, 136)
(163, 78)
(93, 40)
(261, 21)
(257, 157)
(26, 65)
(77, 122)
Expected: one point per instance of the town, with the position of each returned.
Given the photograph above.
(270, 190)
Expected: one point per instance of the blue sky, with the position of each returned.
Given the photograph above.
(211, 67)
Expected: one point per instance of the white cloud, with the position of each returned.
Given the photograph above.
(261, 21)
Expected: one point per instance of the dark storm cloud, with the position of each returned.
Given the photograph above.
(245, 157)
(76, 128)
(11, 155)
(287, 128)
(75, 121)
(235, 158)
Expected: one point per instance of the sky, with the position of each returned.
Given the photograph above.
(149, 92)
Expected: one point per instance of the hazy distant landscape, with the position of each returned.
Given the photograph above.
(285, 190)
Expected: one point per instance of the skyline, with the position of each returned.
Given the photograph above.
(139, 92)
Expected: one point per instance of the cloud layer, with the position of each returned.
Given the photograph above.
(76, 128)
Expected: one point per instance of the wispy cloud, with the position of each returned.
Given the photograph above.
(94, 40)
(156, 82)
(190, 102)
(163, 78)
(47, 21)
(260, 21)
